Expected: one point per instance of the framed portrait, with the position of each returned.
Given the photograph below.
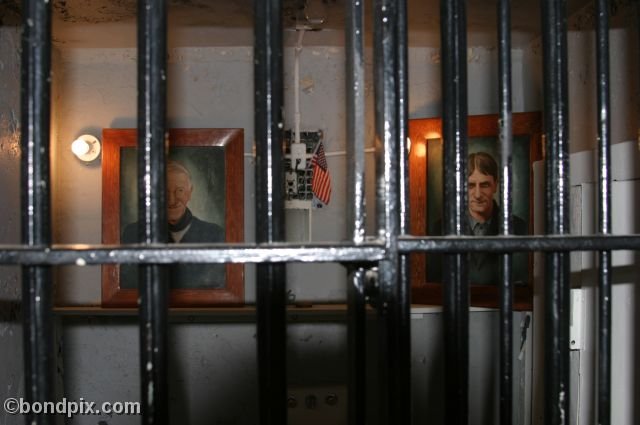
(205, 204)
(483, 207)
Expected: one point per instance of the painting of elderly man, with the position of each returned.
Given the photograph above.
(195, 206)
(204, 197)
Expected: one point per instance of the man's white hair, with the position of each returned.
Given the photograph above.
(177, 167)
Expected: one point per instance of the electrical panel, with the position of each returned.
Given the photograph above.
(298, 171)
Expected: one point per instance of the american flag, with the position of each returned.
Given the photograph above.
(321, 180)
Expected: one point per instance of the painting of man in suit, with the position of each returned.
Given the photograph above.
(483, 216)
(184, 224)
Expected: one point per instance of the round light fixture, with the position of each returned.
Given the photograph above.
(86, 148)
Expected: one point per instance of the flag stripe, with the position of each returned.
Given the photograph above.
(321, 180)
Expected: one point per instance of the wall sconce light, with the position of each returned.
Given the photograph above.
(86, 148)
(420, 149)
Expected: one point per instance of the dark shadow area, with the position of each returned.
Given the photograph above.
(10, 12)
(10, 311)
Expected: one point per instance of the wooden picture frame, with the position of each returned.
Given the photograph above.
(483, 131)
(209, 159)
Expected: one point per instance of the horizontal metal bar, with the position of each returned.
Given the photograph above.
(502, 244)
(370, 252)
(189, 253)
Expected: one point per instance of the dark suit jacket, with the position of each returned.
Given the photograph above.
(183, 276)
(484, 268)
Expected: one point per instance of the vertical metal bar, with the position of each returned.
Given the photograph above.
(402, 372)
(271, 281)
(36, 202)
(506, 144)
(386, 116)
(403, 117)
(557, 290)
(393, 407)
(604, 213)
(354, 34)
(454, 133)
(152, 218)
(357, 347)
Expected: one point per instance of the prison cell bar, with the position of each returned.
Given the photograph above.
(506, 145)
(557, 290)
(36, 204)
(356, 317)
(356, 341)
(152, 213)
(393, 367)
(368, 253)
(402, 345)
(455, 279)
(271, 279)
(604, 213)
(354, 87)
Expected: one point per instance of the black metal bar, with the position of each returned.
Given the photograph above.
(368, 253)
(506, 145)
(271, 281)
(454, 133)
(152, 215)
(502, 244)
(188, 253)
(402, 370)
(604, 213)
(385, 33)
(354, 33)
(403, 117)
(356, 330)
(557, 290)
(36, 204)
(386, 117)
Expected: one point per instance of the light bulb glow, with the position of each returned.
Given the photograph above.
(420, 150)
(86, 148)
(80, 147)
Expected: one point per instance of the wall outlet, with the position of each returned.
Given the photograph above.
(317, 405)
